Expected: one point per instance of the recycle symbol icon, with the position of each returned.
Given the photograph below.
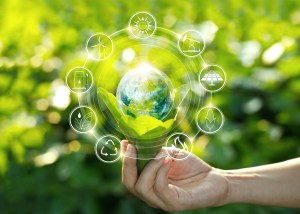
(108, 144)
(142, 38)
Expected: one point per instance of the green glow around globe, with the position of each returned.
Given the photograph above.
(145, 91)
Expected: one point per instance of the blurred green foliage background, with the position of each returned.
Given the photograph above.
(47, 168)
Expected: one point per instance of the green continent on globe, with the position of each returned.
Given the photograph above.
(145, 91)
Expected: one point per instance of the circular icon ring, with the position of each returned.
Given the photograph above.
(142, 25)
(99, 46)
(191, 43)
(82, 119)
(79, 80)
(109, 152)
(212, 78)
(209, 119)
(175, 141)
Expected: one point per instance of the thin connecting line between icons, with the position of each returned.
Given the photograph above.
(117, 32)
(85, 62)
(79, 99)
(162, 28)
(170, 31)
(93, 134)
(126, 29)
(196, 135)
(187, 44)
(204, 63)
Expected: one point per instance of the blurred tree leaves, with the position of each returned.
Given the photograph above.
(43, 167)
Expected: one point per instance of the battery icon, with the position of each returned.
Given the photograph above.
(80, 80)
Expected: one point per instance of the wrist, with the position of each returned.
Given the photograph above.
(272, 185)
(240, 186)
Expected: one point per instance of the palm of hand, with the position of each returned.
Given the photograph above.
(196, 184)
(174, 185)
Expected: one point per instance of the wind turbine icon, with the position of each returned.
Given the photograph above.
(100, 47)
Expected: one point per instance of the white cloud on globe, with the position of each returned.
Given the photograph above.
(145, 91)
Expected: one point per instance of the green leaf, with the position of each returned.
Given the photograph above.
(143, 131)
(139, 127)
(109, 103)
(144, 126)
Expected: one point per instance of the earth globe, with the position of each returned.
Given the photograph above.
(145, 91)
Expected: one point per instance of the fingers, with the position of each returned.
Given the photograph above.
(129, 168)
(161, 186)
(152, 184)
(124, 144)
(161, 179)
(145, 183)
(147, 177)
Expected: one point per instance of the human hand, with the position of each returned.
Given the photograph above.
(174, 185)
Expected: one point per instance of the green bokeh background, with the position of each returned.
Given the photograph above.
(45, 167)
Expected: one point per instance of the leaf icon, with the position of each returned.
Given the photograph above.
(210, 119)
(84, 122)
(78, 123)
(87, 120)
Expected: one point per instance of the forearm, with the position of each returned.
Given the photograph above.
(275, 184)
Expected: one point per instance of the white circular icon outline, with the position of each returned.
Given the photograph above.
(142, 29)
(96, 146)
(224, 82)
(70, 119)
(85, 69)
(189, 152)
(202, 38)
(91, 55)
(130, 27)
(222, 123)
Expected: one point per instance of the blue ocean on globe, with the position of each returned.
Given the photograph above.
(145, 91)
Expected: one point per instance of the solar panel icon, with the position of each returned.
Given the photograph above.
(211, 78)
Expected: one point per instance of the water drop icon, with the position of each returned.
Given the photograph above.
(79, 115)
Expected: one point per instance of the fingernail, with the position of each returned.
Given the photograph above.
(160, 155)
(129, 149)
(167, 160)
(124, 144)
